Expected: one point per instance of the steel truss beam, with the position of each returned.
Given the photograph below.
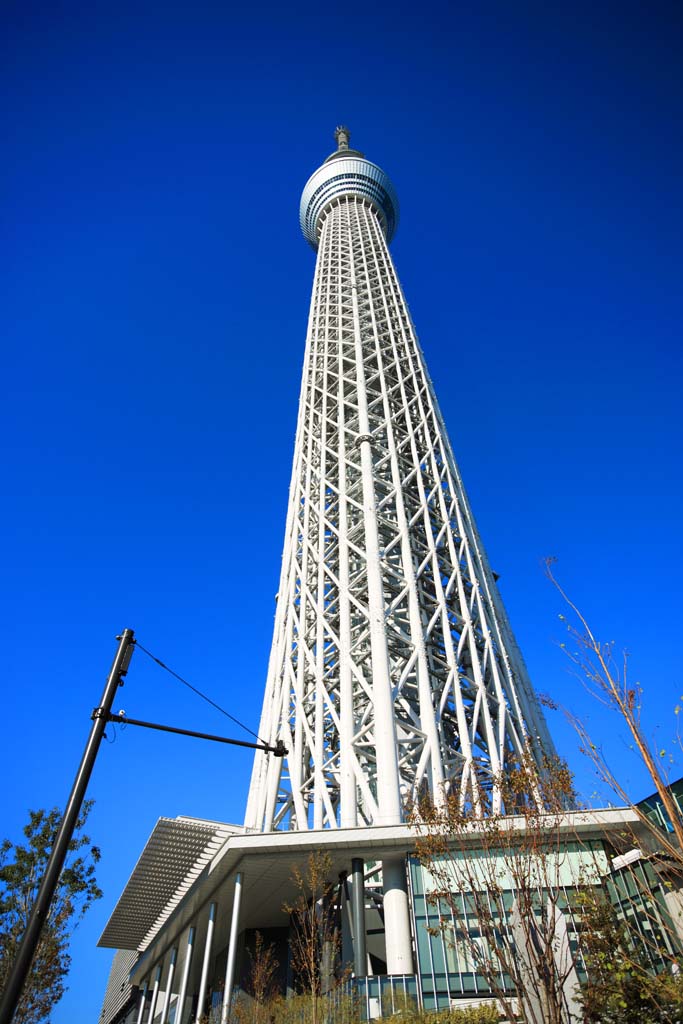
(393, 668)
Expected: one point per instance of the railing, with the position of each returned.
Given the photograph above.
(371, 998)
(353, 1001)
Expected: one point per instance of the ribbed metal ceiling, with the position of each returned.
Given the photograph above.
(176, 852)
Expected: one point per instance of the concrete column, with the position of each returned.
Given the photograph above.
(360, 955)
(169, 983)
(142, 1003)
(232, 948)
(397, 917)
(155, 993)
(207, 960)
(186, 974)
(347, 930)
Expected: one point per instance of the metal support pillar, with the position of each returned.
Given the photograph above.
(186, 974)
(169, 983)
(232, 948)
(397, 916)
(386, 752)
(207, 960)
(360, 954)
(142, 1003)
(155, 993)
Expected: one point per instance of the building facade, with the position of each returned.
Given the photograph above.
(192, 963)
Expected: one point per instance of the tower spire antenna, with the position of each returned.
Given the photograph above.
(342, 136)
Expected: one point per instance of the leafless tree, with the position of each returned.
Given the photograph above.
(498, 890)
(313, 934)
(607, 680)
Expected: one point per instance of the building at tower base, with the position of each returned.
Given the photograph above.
(195, 959)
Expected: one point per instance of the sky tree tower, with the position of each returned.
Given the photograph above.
(393, 667)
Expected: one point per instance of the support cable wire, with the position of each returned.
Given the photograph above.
(199, 693)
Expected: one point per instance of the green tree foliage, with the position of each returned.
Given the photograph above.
(622, 988)
(21, 870)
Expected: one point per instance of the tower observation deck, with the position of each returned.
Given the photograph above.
(393, 668)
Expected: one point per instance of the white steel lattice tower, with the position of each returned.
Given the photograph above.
(393, 667)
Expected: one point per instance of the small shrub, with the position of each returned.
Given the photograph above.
(486, 1013)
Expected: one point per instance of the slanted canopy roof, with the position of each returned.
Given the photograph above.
(175, 854)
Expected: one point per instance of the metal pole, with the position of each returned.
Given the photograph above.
(155, 994)
(232, 948)
(186, 974)
(206, 961)
(279, 749)
(143, 999)
(41, 907)
(386, 748)
(169, 983)
(360, 956)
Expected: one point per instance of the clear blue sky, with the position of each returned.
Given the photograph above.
(153, 302)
